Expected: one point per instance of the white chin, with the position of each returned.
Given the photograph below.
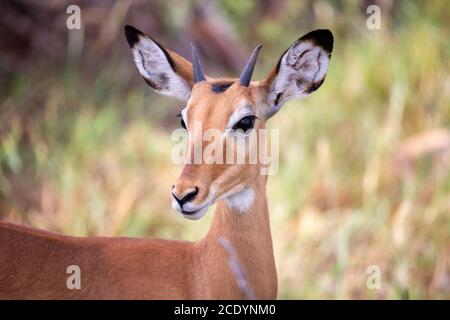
(195, 216)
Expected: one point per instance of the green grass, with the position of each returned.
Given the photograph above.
(92, 157)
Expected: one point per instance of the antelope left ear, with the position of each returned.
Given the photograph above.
(300, 71)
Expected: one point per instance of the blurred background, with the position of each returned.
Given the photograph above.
(364, 174)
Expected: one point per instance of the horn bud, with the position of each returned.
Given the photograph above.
(246, 75)
(196, 66)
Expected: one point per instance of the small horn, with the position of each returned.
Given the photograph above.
(196, 66)
(246, 75)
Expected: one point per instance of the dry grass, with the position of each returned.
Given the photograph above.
(364, 174)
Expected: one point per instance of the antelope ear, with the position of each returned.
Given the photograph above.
(300, 71)
(164, 70)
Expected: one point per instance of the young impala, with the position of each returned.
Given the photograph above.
(33, 263)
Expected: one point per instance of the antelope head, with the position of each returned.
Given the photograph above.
(235, 107)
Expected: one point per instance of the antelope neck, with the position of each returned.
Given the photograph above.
(249, 234)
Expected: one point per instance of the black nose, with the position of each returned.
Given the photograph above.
(187, 197)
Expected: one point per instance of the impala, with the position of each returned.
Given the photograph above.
(33, 263)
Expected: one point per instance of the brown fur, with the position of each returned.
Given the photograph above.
(33, 263)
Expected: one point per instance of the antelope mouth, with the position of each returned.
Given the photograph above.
(195, 214)
(187, 212)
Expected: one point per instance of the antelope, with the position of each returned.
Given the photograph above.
(33, 263)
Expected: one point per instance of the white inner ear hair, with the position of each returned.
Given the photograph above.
(302, 69)
(154, 67)
(241, 201)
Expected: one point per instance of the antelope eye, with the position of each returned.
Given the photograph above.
(245, 124)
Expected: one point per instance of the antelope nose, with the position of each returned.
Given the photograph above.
(189, 195)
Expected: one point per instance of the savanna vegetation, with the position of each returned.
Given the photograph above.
(364, 172)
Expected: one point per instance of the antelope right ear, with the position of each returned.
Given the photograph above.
(164, 70)
(300, 71)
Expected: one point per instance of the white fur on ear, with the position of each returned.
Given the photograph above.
(156, 66)
(301, 70)
(241, 201)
